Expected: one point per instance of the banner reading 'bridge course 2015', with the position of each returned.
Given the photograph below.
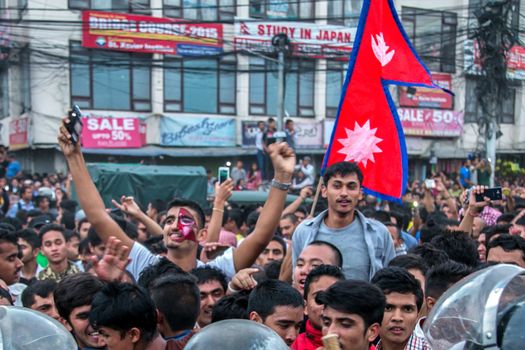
(139, 33)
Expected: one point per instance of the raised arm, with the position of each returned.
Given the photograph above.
(473, 210)
(283, 160)
(88, 196)
(131, 208)
(222, 193)
(292, 207)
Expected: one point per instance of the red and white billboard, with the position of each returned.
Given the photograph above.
(431, 122)
(110, 132)
(139, 33)
(307, 39)
(428, 98)
(19, 133)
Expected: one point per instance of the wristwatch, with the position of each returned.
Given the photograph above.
(281, 185)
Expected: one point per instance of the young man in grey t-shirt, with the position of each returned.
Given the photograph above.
(366, 244)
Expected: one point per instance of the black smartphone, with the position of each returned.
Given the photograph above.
(74, 127)
(494, 193)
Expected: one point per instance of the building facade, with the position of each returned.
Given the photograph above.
(189, 85)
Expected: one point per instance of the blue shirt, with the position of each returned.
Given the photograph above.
(464, 175)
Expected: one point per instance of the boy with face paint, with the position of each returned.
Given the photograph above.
(179, 240)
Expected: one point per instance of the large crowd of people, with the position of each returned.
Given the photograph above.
(152, 275)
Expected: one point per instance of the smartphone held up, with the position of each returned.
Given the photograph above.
(74, 127)
(223, 174)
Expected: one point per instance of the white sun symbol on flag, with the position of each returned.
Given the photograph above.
(360, 144)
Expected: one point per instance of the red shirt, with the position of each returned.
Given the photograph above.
(309, 340)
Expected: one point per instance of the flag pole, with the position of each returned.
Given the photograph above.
(316, 197)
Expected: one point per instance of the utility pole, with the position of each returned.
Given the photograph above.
(282, 47)
(494, 39)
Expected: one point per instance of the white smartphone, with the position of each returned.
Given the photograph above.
(430, 183)
(224, 174)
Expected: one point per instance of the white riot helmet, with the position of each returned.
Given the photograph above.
(484, 311)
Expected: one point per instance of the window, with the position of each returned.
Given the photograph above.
(344, 12)
(433, 33)
(200, 85)
(202, 10)
(110, 80)
(473, 108)
(4, 90)
(299, 87)
(134, 6)
(290, 9)
(335, 77)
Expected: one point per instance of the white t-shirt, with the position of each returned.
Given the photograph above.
(141, 258)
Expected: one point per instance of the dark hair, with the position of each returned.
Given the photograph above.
(182, 202)
(290, 217)
(270, 120)
(233, 306)
(123, 306)
(409, 261)
(158, 204)
(337, 252)
(74, 291)
(355, 297)
(82, 222)
(129, 228)
(69, 205)
(398, 280)
(505, 218)
(70, 234)
(458, 246)
(93, 237)
(441, 277)
(235, 215)
(281, 241)
(430, 254)
(152, 272)
(342, 169)
(40, 288)
(429, 231)
(155, 245)
(30, 237)
(268, 295)
(206, 274)
(273, 269)
(177, 298)
(51, 227)
(491, 231)
(17, 225)
(320, 271)
(521, 221)
(68, 220)
(508, 243)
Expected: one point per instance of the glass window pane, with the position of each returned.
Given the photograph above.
(172, 81)
(257, 81)
(111, 81)
(81, 103)
(209, 10)
(227, 9)
(290, 91)
(272, 89)
(190, 9)
(78, 4)
(471, 102)
(227, 84)
(80, 80)
(200, 86)
(306, 9)
(257, 8)
(335, 11)
(172, 107)
(306, 84)
(141, 81)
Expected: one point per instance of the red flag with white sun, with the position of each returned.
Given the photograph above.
(367, 129)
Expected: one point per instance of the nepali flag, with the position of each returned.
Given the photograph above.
(367, 129)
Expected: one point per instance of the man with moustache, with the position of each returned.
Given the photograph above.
(366, 244)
